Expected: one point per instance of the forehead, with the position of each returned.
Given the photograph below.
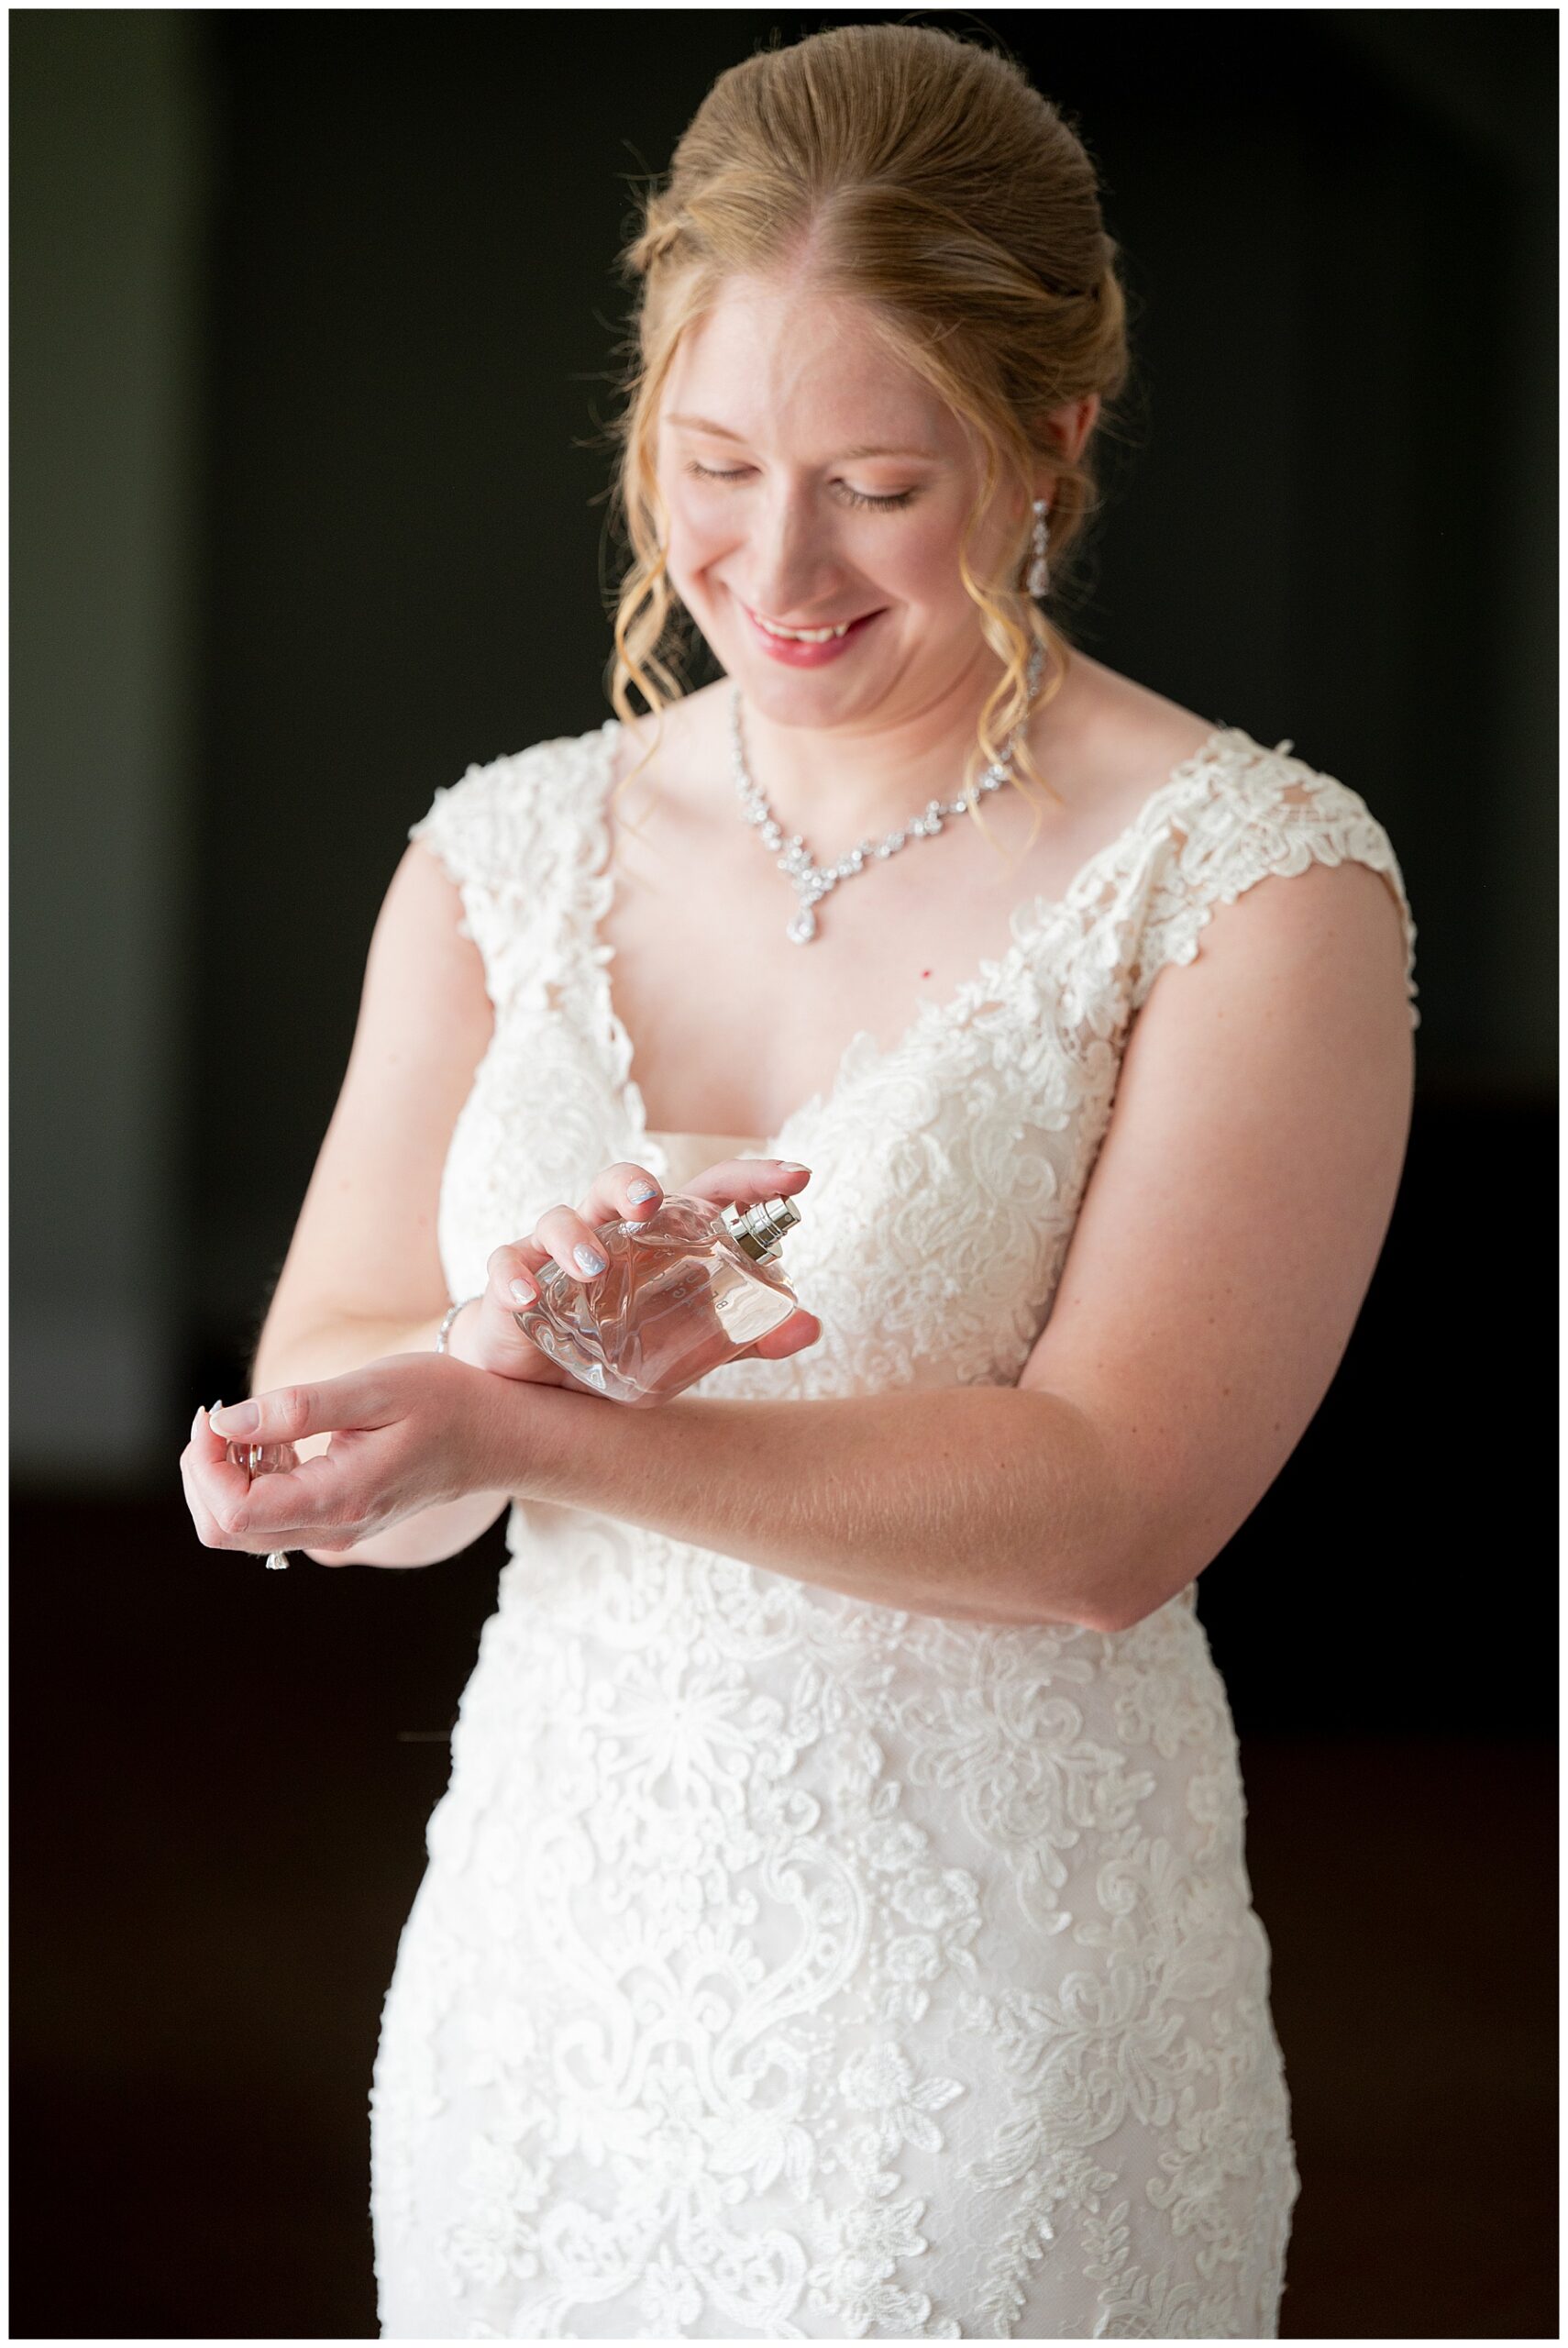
(766, 358)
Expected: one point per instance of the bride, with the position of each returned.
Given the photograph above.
(837, 1921)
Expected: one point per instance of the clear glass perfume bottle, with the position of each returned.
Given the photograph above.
(687, 1288)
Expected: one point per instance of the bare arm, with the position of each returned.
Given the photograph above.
(1220, 1260)
(363, 1278)
(1237, 1208)
(978, 1503)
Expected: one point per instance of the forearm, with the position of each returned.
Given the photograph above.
(981, 1503)
(338, 1346)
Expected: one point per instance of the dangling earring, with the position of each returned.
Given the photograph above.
(1039, 570)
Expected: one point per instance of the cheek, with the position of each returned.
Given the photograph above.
(698, 532)
(922, 560)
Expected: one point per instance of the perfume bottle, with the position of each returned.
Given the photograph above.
(685, 1289)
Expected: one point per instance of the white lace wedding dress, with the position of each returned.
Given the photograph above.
(789, 1965)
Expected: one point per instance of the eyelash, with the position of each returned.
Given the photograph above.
(856, 496)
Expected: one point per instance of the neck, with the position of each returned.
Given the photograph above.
(838, 785)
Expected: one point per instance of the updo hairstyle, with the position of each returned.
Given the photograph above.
(925, 178)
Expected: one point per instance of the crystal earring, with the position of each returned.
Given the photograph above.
(1039, 571)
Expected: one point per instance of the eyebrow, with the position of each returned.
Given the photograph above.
(721, 432)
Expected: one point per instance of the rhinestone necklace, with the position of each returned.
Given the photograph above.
(813, 880)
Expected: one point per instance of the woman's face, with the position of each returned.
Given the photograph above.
(837, 489)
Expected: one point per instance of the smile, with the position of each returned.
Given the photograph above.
(806, 634)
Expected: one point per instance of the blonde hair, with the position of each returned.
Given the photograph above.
(922, 176)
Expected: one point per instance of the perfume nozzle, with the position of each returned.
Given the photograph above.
(759, 1228)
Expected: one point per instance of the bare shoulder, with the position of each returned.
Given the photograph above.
(1122, 728)
(679, 738)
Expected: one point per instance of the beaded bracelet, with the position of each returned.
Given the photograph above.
(452, 1313)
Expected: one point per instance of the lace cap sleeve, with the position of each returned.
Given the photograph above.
(1274, 814)
(503, 835)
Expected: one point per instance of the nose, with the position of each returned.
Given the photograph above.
(794, 567)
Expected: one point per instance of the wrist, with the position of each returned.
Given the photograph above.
(462, 1329)
(553, 1443)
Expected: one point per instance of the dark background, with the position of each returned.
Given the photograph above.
(313, 320)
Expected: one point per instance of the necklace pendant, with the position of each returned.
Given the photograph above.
(797, 862)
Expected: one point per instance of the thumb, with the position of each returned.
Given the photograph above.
(512, 1287)
(287, 1413)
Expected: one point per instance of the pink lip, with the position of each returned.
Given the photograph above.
(809, 656)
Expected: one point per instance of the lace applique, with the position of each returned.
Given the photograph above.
(789, 1965)
(505, 834)
(1275, 815)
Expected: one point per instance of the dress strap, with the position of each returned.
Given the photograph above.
(510, 836)
(1270, 813)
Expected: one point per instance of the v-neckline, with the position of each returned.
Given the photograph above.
(597, 897)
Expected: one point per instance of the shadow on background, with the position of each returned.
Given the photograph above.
(314, 315)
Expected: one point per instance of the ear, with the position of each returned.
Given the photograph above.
(1085, 415)
(1069, 427)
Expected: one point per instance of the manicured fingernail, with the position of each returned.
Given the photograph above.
(523, 1292)
(641, 1191)
(589, 1259)
(239, 1418)
(789, 1165)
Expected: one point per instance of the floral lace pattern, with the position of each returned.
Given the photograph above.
(788, 1966)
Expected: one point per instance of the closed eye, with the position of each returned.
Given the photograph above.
(856, 496)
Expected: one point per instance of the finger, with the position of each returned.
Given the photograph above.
(573, 1242)
(791, 1336)
(298, 1508)
(216, 1484)
(558, 1232)
(612, 1196)
(220, 1481)
(289, 1413)
(201, 1516)
(561, 1231)
(195, 1498)
(502, 1343)
(499, 1341)
(624, 1192)
(570, 1238)
(512, 1277)
(742, 1181)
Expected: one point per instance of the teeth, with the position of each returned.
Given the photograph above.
(803, 635)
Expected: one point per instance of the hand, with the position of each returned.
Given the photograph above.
(408, 1431)
(488, 1336)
